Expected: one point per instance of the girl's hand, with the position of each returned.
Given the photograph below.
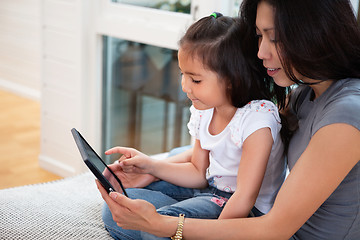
(132, 180)
(132, 161)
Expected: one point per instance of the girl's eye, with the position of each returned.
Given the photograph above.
(195, 81)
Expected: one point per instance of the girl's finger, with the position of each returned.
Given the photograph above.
(121, 150)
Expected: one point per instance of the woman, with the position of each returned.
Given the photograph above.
(317, 45)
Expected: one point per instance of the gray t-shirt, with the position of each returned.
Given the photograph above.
(339, 216)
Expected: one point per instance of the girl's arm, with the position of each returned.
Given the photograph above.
(178, 171)
(331, 154)
(252, 167)
(181, 157)
(187, 174)
(138, 180)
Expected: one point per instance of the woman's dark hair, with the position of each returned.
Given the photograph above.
(318, 39)
(217, 41)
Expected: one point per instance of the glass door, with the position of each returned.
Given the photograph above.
(142, 101)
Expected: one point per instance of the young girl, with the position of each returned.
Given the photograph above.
(237, 164)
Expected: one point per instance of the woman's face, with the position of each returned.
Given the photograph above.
(267, 44)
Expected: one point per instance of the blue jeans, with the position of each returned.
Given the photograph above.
(171, 200)
(156, 198)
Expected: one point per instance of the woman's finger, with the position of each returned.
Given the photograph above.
(109, 201)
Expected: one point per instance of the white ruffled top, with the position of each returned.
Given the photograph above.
(226, 147)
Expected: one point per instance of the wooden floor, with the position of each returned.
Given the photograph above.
(20, 142)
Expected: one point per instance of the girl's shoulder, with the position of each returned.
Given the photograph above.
(197, 114)
(259, 106)
(195, 119)
(256, 109)
(253, 116)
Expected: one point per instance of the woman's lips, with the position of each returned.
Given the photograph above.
(272, 71)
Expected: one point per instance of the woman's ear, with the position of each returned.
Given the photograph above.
(229, 87)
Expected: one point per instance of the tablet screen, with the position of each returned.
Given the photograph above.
(97, 165)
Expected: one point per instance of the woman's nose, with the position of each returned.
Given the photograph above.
(263, 52)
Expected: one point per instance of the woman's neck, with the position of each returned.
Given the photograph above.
(320, 88)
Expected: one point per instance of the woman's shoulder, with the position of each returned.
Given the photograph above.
(345, 93)
(348, 85)
(342, 104)
(341, 92)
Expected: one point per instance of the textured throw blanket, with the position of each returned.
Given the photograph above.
(65, 209)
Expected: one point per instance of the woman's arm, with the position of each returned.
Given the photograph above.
(332, 152)
(252, 167)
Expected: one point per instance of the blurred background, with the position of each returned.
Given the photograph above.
(107, 68)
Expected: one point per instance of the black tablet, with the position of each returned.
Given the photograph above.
(97, 166)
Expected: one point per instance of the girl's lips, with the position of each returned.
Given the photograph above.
(192, 99)
(272, 71)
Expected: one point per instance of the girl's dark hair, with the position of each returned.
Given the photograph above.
(218, 43)
(318, 39)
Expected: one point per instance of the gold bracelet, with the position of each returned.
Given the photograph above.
(179, 230)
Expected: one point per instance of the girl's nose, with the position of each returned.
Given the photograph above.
(184, 85)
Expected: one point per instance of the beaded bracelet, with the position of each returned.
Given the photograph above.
(179, 230)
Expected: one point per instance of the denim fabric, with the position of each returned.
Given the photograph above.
(158, 199)
(194, 203)
(171, 200)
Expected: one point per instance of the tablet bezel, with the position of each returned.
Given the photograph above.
(80, 142)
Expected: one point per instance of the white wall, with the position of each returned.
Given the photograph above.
(64, 76)
(20, 47)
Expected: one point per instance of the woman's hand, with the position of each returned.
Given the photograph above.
(137, 214)
(133, 161)
(127, 213)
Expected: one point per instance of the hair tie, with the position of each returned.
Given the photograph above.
(216, 15)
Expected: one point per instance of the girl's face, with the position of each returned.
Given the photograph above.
(202, 86)
(267, 44)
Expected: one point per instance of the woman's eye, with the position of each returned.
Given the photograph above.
(196, 81)
(273, 40)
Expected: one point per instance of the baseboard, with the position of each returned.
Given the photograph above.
(56, 167)
(20, 89)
